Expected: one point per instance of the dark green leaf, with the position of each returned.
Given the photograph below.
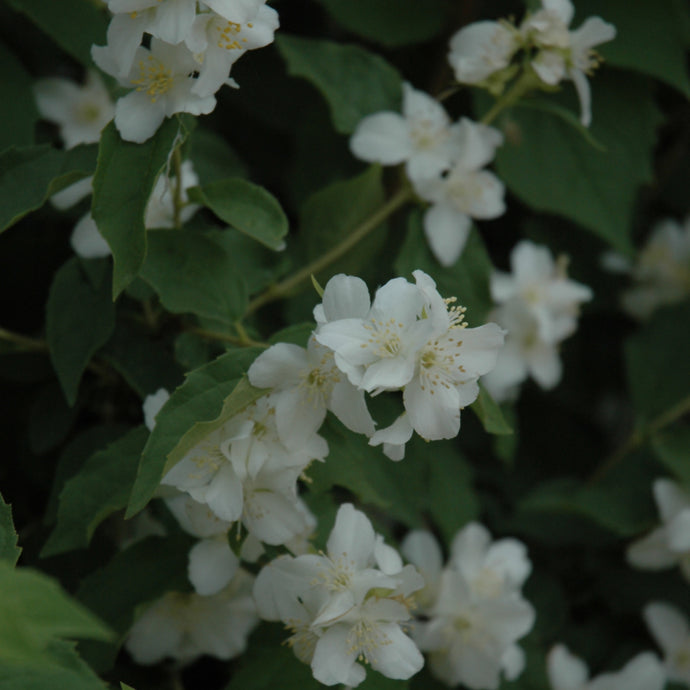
(50, 419)
(247, 208)
(489, 413)
(101, 487)
(298, 334)
(672, 448)
(75, 25)
(655, 26)
(192, 274)
(29, 175)
(467, 279)
(353, 81)
(18, 114)
(330, 216)
(213, 158)
(34, 611)
(204, 396)
(79, 319)
(548, 164)
(390, 22)
(124, 179)
(657, 368)
(9, 551)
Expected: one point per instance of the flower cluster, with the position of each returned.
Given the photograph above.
(567, 672)
(482, 53)
(191, 48)
(661, 272)
(471, 611)
(408, 339)
(445, 163)
(347, 605)
(538, 306)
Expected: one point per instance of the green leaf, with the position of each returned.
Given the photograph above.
(467, 279)
(331, 214)
(50, 419)
(655, 26)
(34, 611)
(18, 115)
(672, 449)
(390, 22)
(140, 574)
(657, 369)
(9, 551)
(124, 179)
(141, 361)
(452, 499)
(548, 165)
(124, 686)
(29, 175)
(101, 487)
(193, 274)
(204, 397)
(213, 158)
(75, 25)
(80, 317)
(489, 413)
(247, 207)
(354, 82)
(60, 669)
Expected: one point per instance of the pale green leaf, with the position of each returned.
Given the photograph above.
(192, 274)
(354, 82)
(124, 179)
(101, 487)
(80, 317)
(247, 207)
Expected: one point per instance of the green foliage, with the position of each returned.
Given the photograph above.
(490, 414)
(193, 275)
(213, 157)
(329, 216)
(672, 449)
(80, 317)
(35, 611)
(389, 22)
(247, 208)
(204, 396)
(73, 24)
(656, 26)
(353, 81)
(101, 487)
(30, 174)
(19, 113)
(658, 383)
(9, 551)
(122, 185)
(50, 420)
(548, 165)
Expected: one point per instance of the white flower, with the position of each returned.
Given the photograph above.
(670, 629)
(345, 605)
(422, 137)
(211, 565)
(564, 53)
(473, 612)
(480, 49)
(185, 626)
(524, 354)
(394, 437)
(463, 192)
(669, 544)
(163, 81)
(567, 672)
(218, 43)
(448, 365)
(543, 286)
(305, 384)
(80, 112)
(661, 272)
(87, 241)
(152, 406)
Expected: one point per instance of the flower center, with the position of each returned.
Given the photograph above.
(385, 340)
(229, 37)
(154, 78)
(364, 639)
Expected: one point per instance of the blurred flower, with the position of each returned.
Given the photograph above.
(670, 629)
